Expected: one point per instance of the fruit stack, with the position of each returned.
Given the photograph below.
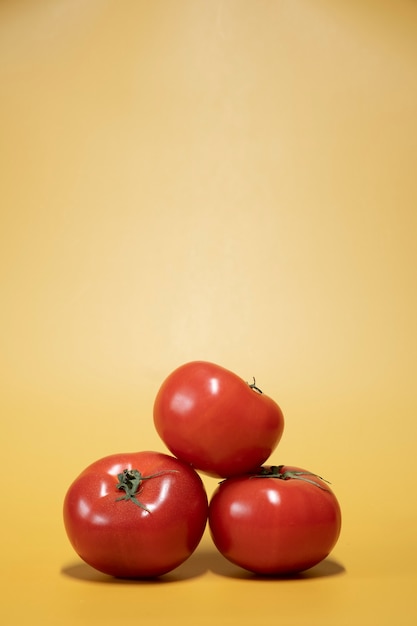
(142, 514)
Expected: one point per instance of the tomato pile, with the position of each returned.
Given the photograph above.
(142, 514)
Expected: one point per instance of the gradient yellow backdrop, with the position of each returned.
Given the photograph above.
(211, 179)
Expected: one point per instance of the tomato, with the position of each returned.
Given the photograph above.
(211, 418)
(136, 514)
(279, 520)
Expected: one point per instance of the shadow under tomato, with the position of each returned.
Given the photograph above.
(197, 565)
(328, 567)
(193, 567)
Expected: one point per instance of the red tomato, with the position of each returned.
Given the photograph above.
(281, 520)
(214, 420)
(136, 514)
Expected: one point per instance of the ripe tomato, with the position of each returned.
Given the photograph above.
(214, 420)
(280, 520)
(136, 514)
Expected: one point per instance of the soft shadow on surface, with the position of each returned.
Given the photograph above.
(196, 565)
(222, 567)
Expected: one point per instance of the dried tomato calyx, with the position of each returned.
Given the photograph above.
(254, 387)
(277, 471)
(130, 482)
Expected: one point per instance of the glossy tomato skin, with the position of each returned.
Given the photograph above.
(118, 537)
(211, 418)
(272, 526)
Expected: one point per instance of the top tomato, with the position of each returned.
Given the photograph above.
(214, 420)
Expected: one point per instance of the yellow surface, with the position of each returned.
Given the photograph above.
(227, 180)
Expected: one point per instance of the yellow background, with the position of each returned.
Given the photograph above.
(211, 179)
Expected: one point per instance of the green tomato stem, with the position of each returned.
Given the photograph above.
(130, 482)
(276, 471)
(254, 387)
